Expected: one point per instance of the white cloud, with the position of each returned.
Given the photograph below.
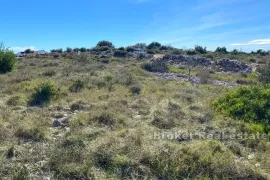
(254, 42)
(19, 49)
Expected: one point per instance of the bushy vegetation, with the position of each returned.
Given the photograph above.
(221, 50)
(120, 53)
(105, 44)
(77, 86)
(264, 73)
(154, 45)
(155, 66)
(200, 49)
(43, 94)
(108, 117)
(8, 60)
(28, 51)
(246, 103)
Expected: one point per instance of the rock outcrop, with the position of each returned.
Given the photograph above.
(227, 65)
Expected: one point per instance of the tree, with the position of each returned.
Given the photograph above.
(221, 50)
(59, 50)
(76, 49)
(8, 59)
(262, 52)
(120, 53)
(191, 52)
(200, 49)
(131, 49)
(140, 46)
(69, 50)
(83, 49)
(235, 51)
(121, 48)
(28, 51)
(105, 43)
(154, 45)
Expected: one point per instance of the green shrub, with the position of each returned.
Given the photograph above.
(50, 73)
(221, 50)
(154, 45)
(191, 52)
(264, 74)
(14, 101)
(204, 76)
(28, 51)
(246, 103)
(77, 86)
(69, 50)
(135, 90)
(30, 134)
(43, 94)
(8, 60)
(21, 173)
(120, 53)
(83, 49)
(101, 48)
(105, 43)
(131, 49)
(105, 119)
(156, 66)
(200, 49)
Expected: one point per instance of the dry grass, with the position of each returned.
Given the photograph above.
(116, 108)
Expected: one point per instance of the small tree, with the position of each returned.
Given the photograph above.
(28, 51)
(200, 49)
(105, 43)
(59, 50)
(221, 50)
(8, 59)
(140, 45)
(69, 50)
(131, 49)
(76, 49)
(83, 49)
(235, 51)
(121, 48)
(154, 45)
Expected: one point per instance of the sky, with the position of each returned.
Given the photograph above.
(51, 24)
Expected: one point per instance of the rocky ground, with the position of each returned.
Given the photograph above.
(192, 79)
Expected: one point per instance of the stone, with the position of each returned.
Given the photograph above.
(57, 123)
(228, 65)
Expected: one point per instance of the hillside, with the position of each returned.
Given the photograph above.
(108, 113)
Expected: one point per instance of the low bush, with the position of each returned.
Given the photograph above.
(246, 103)
(200, 49)
(14, 101)
(8, 60)
(264, 74)
(191, 52)
(135, 90)
(77, 86)
(156, 66)
(30, 134)
(120, 53)
(43, 94)
(49, 73)
(204, 76)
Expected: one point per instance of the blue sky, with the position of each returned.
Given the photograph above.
(48, 24)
